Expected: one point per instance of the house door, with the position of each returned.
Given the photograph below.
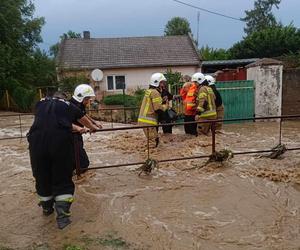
(238, 98)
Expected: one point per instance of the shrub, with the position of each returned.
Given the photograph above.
(119, 99)
(23, 97)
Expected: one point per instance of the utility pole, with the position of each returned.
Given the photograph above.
(198, 21)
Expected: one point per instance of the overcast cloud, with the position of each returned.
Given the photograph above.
(119, 18)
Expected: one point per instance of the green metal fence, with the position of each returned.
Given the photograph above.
(238, 98)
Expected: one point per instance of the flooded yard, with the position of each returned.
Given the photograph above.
(248, 202)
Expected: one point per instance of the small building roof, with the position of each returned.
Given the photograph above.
(263, 62)
(213, 66)
(127, 52)
(229, 62)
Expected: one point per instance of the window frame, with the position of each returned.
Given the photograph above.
(114, 82)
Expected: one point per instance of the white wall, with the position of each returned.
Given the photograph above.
(268, 89)
(139, 77)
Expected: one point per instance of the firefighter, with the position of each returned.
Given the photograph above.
(52, 154)
(152, 109)
(185, 87)
(81, 98)
(206, 107)
(166, 98)
(219, 102)
(191, 104)
(183, 92)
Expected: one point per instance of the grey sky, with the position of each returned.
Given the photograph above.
(116, 18)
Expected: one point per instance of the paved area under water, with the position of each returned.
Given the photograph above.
(248, 202)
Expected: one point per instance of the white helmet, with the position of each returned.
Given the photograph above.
(82, 91)
(198, 77)
(156, 79)
(211, 80)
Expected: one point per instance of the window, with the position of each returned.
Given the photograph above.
(116, 82)
(110, 83)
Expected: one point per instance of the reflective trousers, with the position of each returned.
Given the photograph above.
(204, 128)
(152, 135)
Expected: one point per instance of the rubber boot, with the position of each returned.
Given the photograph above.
(47, 207)
(63, 213)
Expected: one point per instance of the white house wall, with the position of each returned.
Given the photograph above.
(139, 77)
(268, 89)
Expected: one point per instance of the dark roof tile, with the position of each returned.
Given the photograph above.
(126, 52)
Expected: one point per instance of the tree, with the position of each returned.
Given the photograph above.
(19, 36)
(68, 84)
(208, 53)
(290, 60)
(177, 26)
(270, 42)
(261, 16)
(173, 78)
(42, 70)
(18, 28)
(69, 34)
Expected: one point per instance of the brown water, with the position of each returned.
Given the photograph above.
(246, 203)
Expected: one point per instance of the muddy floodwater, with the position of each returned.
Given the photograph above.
(248, 202)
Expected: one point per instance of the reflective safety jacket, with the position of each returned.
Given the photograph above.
(152, 102)
(184, 90)
(206, 102)
(191, 100)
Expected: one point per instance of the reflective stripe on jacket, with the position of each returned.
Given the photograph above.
(191, 100)
(152, 102)
(206, 102)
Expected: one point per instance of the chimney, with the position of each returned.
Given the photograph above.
(86, 35)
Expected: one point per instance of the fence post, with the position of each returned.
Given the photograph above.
(111, 118)
(280, 130)
(148, 145)
(40, 93)
(7, 99)
(20, 121)
(213, 131)
(124, 114)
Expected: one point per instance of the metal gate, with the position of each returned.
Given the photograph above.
(238, 98)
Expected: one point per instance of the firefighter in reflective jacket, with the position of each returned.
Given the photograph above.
(191, 104)
(152, 109)
(185, 88)
(219, 102)
(206, 109)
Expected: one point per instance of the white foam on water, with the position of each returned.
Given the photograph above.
(156, 222)
(127, 215)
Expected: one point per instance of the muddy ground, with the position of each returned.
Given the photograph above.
(249, 202)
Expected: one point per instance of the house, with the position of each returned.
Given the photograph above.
(127, 60)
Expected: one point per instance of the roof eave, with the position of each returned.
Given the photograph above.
(125, 66)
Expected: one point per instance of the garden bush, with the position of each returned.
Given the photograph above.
(119, 99)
